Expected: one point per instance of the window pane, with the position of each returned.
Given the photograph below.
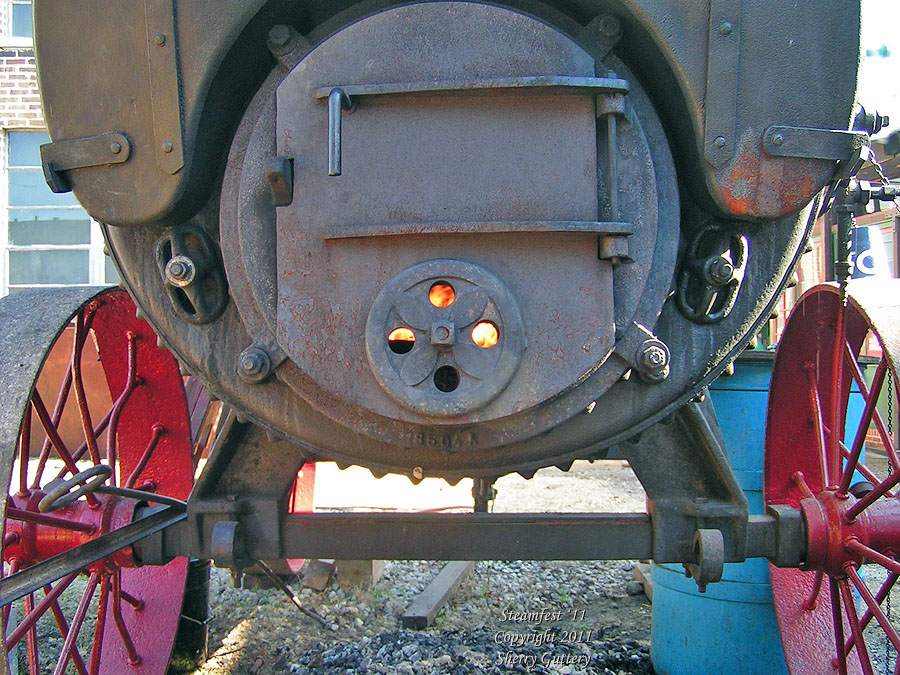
(48, 267)
(28, 188)
(111, 275)
(24, 147)
(52, 226)
(21, 20)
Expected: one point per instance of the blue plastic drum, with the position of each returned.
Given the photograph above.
(732, 627)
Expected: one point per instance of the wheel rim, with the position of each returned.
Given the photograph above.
(831, 619)
(111, 617)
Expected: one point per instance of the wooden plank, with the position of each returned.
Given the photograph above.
(421, 611)
(642, 574)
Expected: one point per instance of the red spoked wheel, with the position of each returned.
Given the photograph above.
(107, 403)
(834, 612)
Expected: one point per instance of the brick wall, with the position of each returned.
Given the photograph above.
(20, 103)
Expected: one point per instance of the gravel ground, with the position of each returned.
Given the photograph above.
(596, 618)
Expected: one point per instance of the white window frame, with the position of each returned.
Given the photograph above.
(8, 40)
(96, 257)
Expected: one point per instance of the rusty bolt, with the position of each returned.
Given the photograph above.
(254, 365)
(721, 271)
(159, 40)
(720, 142)
(181, 271)
(652, 360)
(778, 139)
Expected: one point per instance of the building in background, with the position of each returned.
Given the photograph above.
(48, 239)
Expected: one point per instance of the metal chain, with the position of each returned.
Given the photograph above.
(885, 181)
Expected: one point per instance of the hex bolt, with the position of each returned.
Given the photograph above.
(652, 361)
(610, 27)
(721, 271)
(254, 365)
(181, 271)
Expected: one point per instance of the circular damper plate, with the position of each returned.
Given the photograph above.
(444, 337)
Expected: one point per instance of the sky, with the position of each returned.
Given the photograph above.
(879, 76)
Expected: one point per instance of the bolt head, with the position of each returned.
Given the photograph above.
(443, 333)
(159, 39)
(115, 148)
(726, 28)
(721, 271)
(720, 142)
(254, 365)
(609, 26)
(279, 35)
(653, 360)
(167, 147)
(778, 139)
(180, 271)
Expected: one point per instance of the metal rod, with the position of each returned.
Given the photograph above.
(338, 102)
(467, 536)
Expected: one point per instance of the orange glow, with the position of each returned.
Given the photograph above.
(485, 334)
(441, 294)
(401, 340)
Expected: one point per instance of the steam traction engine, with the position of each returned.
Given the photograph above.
(440, 239)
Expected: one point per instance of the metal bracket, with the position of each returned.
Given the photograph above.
(813, 143)
(80, 153)
(165, 84)
(722, 79)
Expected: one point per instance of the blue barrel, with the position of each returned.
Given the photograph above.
(732, 627)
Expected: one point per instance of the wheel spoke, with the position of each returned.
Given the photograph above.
(879, 491)
(58, 408)
(100, 626)
(36, 613)
(130, 385)
(137, 603)
(53, 432)
(79, 453)
(87, 425)
(856, 546)
(800, 480)
(879, 598)
(133, 657)
(819, 423)
(813, 598)
(838, 625)
(13, 568)
(158, 431)
(859, 639)
(866, 472)
(880, 425)
(48, 520)
(34, 659)
(24, 452)
(874, 608)
(77, 622)
(837, 388)
(64, 631)
(871, 399)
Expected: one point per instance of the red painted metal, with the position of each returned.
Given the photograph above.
(148, 444)
(809, 465)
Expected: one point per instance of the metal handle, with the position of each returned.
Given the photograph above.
(338, 102)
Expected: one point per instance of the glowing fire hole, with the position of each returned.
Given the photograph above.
(441, 294)
(485, 334)
(401, 340)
